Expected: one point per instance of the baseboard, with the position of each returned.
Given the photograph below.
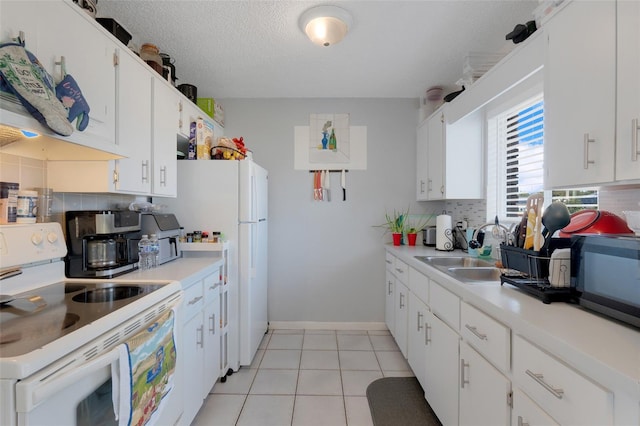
(317, 325)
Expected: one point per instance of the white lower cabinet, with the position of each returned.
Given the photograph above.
(401, 316)
(484, 391)
(568, 396)
(211, 317)
(201, 342)
(441, 369)
(389, 303)
(525, 412)
(417, 337)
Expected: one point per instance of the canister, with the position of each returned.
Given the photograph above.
(27, 207)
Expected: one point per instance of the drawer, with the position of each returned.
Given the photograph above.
(401, 270)
(193, 300)
(419, 285)
(211, 287)
(526, 412)
(491, 338)
(567, 395)
(444, 304)
(390, 261)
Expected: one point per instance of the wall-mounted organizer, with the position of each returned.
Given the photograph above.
(323, 190)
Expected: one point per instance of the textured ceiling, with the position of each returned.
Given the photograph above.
(255, 49)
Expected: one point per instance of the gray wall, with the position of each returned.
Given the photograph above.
(326, 258)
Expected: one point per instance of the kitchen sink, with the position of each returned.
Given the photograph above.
(470, 275)
(455, 261)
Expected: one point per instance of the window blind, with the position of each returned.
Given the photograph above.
(522, 141)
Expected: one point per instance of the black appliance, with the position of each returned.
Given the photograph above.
(101, 243)
(605, 273)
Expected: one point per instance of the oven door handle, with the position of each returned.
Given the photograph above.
(33, 392)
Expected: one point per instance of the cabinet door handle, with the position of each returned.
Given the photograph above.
(521, 422)
(389, 291)
(540, 379)
(418, 318)
(442, 189)
(475, 331)
(463, 381)
(401, 299)
(163, 176)
(145, 171)
(212, 324)
(427, 334)
(635, 127)
(201, 334)
(587, 141)
(429, 185)
(421, 186)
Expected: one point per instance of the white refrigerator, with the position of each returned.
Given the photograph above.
(231, 197)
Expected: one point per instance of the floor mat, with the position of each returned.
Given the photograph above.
(395, 401)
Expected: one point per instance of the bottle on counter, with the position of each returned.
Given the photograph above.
(144, 253)
(155, 250)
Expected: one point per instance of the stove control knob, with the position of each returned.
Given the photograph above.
(36, 239)
(52, 237)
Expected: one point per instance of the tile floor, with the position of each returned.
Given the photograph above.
(305, 378)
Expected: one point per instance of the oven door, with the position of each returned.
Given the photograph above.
(80, 395)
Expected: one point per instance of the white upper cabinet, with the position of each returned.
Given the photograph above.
(166, 122)
(133, 174)
(422, 158)
(61, 29)
(628, 82)
(449, 157)
(580, 94)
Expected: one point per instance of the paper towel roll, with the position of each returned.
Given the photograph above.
(444, 234)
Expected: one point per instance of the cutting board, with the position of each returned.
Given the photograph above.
(532, 213)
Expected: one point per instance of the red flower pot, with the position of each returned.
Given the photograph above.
(397, 238)
(412, 239)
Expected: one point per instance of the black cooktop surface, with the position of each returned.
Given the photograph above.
(34, 318)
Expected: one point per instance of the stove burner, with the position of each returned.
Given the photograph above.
(109, 294)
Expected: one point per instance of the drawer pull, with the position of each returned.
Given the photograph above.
(195, 300)
(419, 325)
(399, 270)
(389, 291)
(540, 379)
(475, 331)
(521, 422)
(463, 381)
(388, 261)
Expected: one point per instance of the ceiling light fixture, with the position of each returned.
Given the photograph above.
(325, 25)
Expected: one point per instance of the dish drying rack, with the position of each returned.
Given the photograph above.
(533, 271)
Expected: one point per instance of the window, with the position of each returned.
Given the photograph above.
(515, 163)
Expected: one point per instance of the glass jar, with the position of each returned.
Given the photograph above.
(151, 55)
(197, 236)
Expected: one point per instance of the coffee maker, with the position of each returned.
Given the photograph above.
(101, 243)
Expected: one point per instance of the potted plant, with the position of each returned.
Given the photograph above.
(414, 226)
(396, 225)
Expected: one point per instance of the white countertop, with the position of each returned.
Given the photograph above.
(603, 349)
(181, 269)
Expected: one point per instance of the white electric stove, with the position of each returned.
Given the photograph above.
(57, 335)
